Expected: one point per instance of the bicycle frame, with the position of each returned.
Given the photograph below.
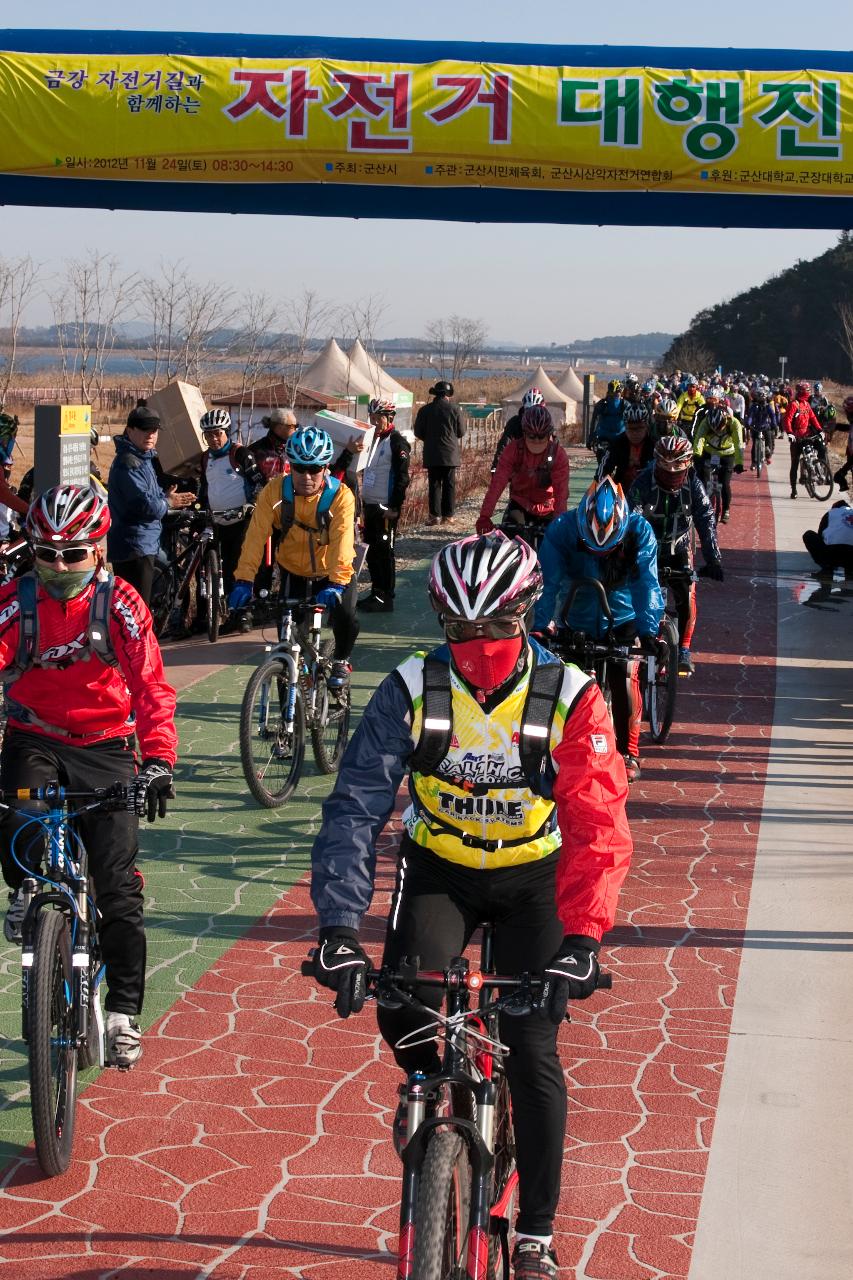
(298, 650)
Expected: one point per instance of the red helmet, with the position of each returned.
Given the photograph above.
(381, 406)
(803, 389)
(68, 513)
(536, 422)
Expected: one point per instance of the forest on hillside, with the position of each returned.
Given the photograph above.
(805, 314)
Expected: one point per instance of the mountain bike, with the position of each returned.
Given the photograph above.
(286, 694)
(586, 652)
(61, 963)
(460, 1181)
(660, 674)
(759, 452)
(815, 472)
(193, 555)
(714, 487)
(532, 532)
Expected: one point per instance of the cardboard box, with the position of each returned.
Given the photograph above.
(342, 429)
(180, 444)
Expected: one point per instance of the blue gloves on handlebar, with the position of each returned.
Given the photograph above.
(331, 595)
(241, 595)
(341, 964)
(572, 974)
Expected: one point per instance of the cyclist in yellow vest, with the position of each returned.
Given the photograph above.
(537, 843)
(718, 434)
(688, 404)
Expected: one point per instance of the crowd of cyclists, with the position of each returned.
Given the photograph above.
(518, 770)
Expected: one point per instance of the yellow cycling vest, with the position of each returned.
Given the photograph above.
(478, 809)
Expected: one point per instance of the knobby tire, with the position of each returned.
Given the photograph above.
(52, 1050)
(330, 732)
(272, 761)
(443, 1209)
(213, 585)
(662, 694)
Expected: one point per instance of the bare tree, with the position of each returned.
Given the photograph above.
(306, 317)
(206, 309)
(453, 344)
(160, 308)
(87, 305)
(844, 333)
(362, 320)
(18, 278)
(255, 345)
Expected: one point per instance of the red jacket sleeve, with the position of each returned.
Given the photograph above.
(560, 480)
(590, 790)
(507, 463)
(152, 698)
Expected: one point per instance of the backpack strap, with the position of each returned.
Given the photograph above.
(436, 718)
(286, 508)
(534, 745)
(100, 608)
(28, 630)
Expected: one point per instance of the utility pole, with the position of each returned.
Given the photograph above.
(783, 360)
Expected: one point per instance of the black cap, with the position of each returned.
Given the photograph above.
(143, 418)
(442, 389)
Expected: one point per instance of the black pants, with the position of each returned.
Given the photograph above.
(112, 841)
(442, 491)
(797, 449)
(436, 908)
(380, 535)
(840, 557)
(139, 572)
(343, 618)
(230, 540)
(769, 441)
(726, 468)
(843, 472)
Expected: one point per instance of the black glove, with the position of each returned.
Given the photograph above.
(713, 569)
(572, 974)
(341, 964)
(154, 786)
(654, 645)
(738, 468)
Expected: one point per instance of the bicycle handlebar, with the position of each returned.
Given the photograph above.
(473, 980)
(598, 588)
(117, 795)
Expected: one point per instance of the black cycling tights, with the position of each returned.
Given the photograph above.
(436, 908)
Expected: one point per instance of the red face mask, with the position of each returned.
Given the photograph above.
(486, 664)
(670, 480)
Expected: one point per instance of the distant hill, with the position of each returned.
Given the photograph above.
(798, 314)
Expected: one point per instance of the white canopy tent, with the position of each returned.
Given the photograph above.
(333, 373)
(382, 382)
(570, 384)
(563, 408)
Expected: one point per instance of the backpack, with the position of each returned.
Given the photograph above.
(98, 630)
(543, 695)
(286, 509)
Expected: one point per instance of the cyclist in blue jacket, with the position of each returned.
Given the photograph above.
(602, 539)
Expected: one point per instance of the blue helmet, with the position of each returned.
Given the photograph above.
(310, 447)
(603, 516)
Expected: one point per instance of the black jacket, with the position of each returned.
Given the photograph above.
(512, 431)
(439, 425)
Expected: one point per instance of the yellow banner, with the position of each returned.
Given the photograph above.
(75, 419)
(442, 124)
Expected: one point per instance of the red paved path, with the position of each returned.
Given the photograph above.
(253, 1140)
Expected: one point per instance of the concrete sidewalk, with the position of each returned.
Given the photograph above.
(778, 1198)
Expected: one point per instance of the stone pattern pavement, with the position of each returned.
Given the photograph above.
(253, 1139)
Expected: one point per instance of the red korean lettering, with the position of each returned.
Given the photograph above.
(472, 91)
(368, 93)
(258, 96)
(298, 99)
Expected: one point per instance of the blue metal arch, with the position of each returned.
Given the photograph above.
(478, 204)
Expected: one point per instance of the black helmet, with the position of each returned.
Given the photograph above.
(442, 389)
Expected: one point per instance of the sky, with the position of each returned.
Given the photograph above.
(527, 283)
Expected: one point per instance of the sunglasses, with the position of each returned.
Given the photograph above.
(493, 629)
(71, 555)
(306, 469)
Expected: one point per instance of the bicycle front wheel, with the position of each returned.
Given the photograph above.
(330, 730)
(505, 1184)
(271, 754)
(662, 692)
(444, 1209)
(52, 1044)
(213, 588)
(822, 480)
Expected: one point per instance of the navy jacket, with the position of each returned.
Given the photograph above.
(137, 503)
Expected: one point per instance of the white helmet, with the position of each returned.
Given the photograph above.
(216, 420)
(492, 576)
(532, 397)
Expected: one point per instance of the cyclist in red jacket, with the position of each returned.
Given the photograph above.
(802, 425)
(536, 468)
(74, 721)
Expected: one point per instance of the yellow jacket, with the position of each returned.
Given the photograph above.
(303, 551)
(727, 441)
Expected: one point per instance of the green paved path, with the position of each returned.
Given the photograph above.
(219, 861)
